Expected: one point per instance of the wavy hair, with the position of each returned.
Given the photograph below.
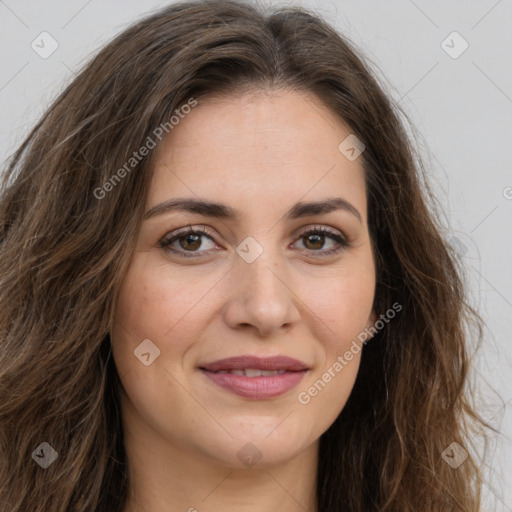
(64, 251)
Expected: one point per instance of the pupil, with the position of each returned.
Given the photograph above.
(188, 237)
(318, 239)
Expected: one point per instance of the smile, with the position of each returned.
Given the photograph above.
(253, 372)
(255, 377)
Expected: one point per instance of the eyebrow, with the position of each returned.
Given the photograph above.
(222, 211)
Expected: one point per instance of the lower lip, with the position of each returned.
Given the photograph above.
(256, 387)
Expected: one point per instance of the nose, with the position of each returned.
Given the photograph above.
(262, 297)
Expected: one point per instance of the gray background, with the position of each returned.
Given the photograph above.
(461, 107)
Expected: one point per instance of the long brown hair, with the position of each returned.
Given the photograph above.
(67, 238)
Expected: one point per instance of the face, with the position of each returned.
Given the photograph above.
(262, 279)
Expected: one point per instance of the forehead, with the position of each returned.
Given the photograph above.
(258, 150)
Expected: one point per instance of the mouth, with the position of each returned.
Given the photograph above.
(256, 377)
(252, 372)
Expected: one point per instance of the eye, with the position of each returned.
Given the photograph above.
(316, 236)
(190, 240)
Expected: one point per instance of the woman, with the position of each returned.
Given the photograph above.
(223, 286)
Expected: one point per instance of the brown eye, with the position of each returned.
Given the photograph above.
(314, 240)
(191, 242)
(188, 240)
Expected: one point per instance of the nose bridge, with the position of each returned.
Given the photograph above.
(261, 269)
(261, 295)
(262, 274)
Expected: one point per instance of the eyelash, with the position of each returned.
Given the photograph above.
(166, 242)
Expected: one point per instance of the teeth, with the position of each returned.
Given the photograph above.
(252, 372)
(269, 373)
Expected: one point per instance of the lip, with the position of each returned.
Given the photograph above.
(260, 387)
(256, 362)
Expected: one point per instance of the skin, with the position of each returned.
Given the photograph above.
(259, 153)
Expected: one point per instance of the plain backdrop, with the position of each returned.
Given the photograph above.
(447, 64)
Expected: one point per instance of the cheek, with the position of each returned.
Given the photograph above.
(148, 308)
(343, 305)
(138, 311)
(342, 311)
(151, 303)
(158, 305)
(139, 314)
(347, 304)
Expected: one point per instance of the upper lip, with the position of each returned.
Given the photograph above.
(254, 362)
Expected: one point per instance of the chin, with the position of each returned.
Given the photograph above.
(250, 449)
